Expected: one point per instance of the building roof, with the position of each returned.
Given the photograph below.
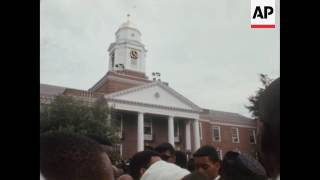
(164, 86)
(225, 117)
(50, 90)
(129, 24)
(133, 77)
(82, 93)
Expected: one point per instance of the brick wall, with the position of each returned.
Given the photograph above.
(111, 85)
(129, 142)
(160, 131)
(226, 143)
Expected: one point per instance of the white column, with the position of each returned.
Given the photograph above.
(171, 130)
(140, 134)
(196, 134)
(188, 136)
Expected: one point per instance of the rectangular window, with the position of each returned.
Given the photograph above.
(235, 135)
(148, 129)
(112, 59)
(219, 151)
(252, 136)
(216, 134)
(176, 131)
(119, 123)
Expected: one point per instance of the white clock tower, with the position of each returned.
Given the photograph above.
(127, 52)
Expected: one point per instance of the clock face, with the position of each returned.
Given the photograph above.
(133, 54)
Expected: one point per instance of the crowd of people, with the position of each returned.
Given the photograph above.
(73, 157)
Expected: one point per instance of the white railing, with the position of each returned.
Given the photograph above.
(148, 137)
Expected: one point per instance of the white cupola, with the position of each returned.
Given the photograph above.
(127, 52)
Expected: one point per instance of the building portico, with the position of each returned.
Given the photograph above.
(141, 129)
(178, 109)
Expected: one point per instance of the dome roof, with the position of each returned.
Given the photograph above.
(128, 24)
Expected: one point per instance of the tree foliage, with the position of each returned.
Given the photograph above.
(68, 114)
(253, 107)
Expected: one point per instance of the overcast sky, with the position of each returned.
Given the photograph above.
(204, 49)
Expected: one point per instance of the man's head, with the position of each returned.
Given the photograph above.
(141, 161)
(72, 157)
(196, 176)
(207, 161)
(150, 148)
(269, 134)
(237, 166)
(167, 152)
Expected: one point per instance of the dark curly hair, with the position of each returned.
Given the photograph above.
(65, 156)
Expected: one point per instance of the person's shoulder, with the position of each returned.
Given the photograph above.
(179, 170)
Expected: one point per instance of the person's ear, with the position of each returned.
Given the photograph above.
(217, 164)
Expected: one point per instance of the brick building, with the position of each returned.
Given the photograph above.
(151, 112)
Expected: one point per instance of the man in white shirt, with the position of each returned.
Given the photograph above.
(147, 165)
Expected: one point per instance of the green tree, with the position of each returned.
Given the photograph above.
(253, 107)
(67, 114)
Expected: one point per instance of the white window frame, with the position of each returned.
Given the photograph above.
(148, 136)
(119, 146)
(176, 138)
(120, 133)
(253, 132)
(220, 153)
(200, 130)
(237, 133)
(219, 130)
